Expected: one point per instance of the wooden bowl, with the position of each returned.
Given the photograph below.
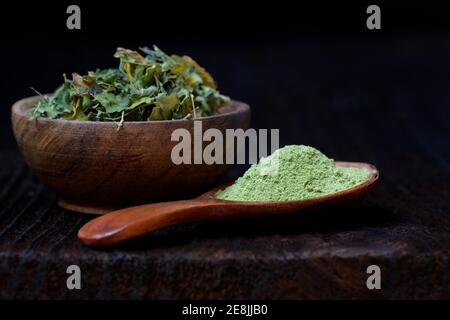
(94, 168)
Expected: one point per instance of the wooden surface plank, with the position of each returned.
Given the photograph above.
(319, 255)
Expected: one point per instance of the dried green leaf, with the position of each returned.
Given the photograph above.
(112, 103)
(153, 86)
(167, 104)
(156, 114)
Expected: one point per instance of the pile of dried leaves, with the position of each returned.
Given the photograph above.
(153, 86)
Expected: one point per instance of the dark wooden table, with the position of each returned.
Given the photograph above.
(380, 101)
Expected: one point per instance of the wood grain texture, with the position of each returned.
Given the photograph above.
(320, 255)
(128, 223)
(95, 168)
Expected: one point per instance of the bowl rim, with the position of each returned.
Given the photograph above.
(21, 106)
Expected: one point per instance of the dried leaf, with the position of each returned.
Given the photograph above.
(151, 87)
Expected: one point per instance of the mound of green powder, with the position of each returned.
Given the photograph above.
(293, 173)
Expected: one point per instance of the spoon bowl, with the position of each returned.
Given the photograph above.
(125, 224)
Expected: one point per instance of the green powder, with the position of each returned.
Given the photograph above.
(293, 173)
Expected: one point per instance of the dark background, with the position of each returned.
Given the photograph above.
(312, 70)
(287, 61)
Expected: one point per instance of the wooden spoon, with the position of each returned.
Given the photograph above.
(121, 225)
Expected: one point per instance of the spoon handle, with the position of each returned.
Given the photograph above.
(128, 223)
